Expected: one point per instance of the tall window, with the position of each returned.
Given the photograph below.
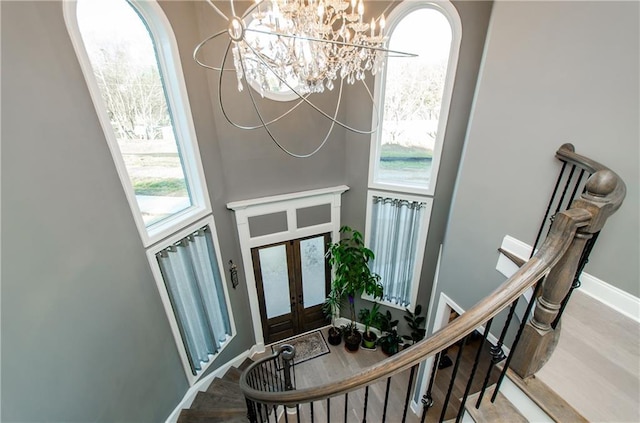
(130, 60)
(413, 94)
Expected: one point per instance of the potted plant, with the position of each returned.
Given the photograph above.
(331, 308)
(370, 318)
(415, 323)
(390, 342)
(351, 277)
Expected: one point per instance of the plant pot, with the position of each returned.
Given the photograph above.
(352, 341)
(335, 336)
(389, 349)
(369, 340)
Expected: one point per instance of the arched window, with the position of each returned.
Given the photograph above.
(128, 55)
(130, 61)
(413, 96)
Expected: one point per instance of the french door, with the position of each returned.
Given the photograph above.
(292, 280)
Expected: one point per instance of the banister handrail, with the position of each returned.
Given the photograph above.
(557, 242)
(606, 186)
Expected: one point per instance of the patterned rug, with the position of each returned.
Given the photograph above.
(307, 346)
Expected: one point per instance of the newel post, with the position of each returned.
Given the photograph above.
(603, 195)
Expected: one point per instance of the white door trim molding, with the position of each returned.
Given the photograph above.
(289, 204)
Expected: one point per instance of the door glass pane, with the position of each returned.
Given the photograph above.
(124, 60)
(275, 280)
(313, 271)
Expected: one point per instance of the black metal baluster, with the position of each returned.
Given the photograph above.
(275, 414)
(366, 399)
(408, 397)
(298, 412)
(346, 403)
(286, 415)
(251, 411)
(566, 187)
(546, 214)
(515, 342)
(575, 188)
(453, 378)
(386, 400)
(328, 410)
(497, 355)
(311, 408)
(427, 399)
(473, 371)
(584, 259)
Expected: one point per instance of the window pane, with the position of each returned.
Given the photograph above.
(275, 280)
(313, 271)
(412, 98)
(125, 65)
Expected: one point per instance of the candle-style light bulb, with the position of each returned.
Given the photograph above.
(361, 8)
(353, 6)
(383, 23)
(373, 27)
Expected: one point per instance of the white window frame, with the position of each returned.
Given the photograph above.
(166, 302)
(395, 17)
(421, 242)
(410, 193)
(178, 103)
(159, 235)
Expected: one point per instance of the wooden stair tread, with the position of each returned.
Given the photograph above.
(212, 416)
(502, 410)
(546, 398)
(208, 401)
(246, 363)
(224, 387)
(232, 375)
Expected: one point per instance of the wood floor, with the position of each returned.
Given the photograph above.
(340, 363)
(596, 365)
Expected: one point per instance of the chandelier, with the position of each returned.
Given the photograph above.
(301, 46)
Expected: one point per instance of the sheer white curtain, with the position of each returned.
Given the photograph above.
(192, 277)
(395, 226)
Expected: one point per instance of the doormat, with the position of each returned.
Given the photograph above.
(307, 346)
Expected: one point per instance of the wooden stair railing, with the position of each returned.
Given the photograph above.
(554, 264)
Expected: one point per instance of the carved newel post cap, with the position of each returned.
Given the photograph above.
(601, 183)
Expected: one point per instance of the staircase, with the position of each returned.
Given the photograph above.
(223, 401)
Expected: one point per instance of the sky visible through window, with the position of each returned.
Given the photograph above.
(125, 66)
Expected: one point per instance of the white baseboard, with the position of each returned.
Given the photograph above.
(204, 383)
(615, 298)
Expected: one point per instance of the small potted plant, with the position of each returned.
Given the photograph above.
(415, 323)
(390, 342)
(370, 318)
(350, 261)
(331, 308)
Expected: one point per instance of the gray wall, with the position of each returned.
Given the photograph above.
(84, 334)
(553, 72)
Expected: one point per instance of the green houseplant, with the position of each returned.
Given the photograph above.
(415, 323)
(389, 341)
(331, 308)
(370, 318)
(349, 259)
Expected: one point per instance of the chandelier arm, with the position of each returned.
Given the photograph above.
(218, 10)
(304, 98)
(336, 42)
(224, 112)
(196, 51)
(273, 138)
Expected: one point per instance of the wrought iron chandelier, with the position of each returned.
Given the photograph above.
(300, 46)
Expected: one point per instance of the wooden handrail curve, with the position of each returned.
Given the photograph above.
(557, 242)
